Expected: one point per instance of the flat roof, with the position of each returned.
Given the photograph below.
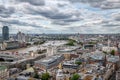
(49, 59)
(113, 58)
(3, 68)
(54, 43)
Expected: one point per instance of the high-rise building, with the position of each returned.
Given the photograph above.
(21, 37)
(5, 33)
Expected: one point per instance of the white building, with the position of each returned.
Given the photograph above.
(52, 47)
(60, 75)
(51, 50)
(109, 49)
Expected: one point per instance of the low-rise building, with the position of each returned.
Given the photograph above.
(70, 66)
(4, 73)
(109, 49)
(118, 75)
(60, 75)
(49, 62)
(10, 45)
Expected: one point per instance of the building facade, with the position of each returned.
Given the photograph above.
(4, 73)
(5, 33)
(21, 37)
(49, 62)
(10, 45)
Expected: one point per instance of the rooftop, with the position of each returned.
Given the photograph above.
(3, 68)
(49, 59)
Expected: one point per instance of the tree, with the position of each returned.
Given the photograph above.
(28, 44)
(105, 52)
(78, 62)
(36, 75)
(92, 42)
(45, 76)
(112, 52)
(75, 77)
(70, 42)
(39, 42)
(81, 43)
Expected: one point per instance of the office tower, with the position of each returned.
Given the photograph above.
(21, 37)
(5, 33)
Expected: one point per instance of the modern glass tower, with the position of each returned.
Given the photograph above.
(5, 33)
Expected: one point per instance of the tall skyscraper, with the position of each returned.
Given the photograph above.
(5, 33)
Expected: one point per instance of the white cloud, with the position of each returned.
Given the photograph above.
(47, 16)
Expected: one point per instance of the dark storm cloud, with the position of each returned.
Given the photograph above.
(115, 16)
(33, 2)
(73, 20)
(60, 23)
(66, 21)
(111, 25)
(58, 17)
(51, 13)
(103, 4)
(6, 11)
(86, 1)
(62, 13)
(61, 5)
(105, 22)
(117, 19)
(110, 5)
(20, 23)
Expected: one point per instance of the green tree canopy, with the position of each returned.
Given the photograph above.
(45, 76)
(75, 77)
(71, 42)
(78, 62)
(105, 52)
(36, 75)
(112, 52)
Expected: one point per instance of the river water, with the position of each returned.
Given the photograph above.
(35, 47)
(22, 50)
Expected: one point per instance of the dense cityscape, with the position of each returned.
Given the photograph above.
(59, 39)
(59, 56)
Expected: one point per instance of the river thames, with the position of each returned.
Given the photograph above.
(35, 47)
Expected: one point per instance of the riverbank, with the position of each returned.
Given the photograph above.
(22, 50)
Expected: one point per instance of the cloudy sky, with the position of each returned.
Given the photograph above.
(60, 16)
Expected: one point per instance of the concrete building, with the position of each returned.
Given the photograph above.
(10, 45)
(49, 62)
(51, 50)
(60, 75)
(4, 73)
(70, 66)
(68, 52)
(21, 37)
(89, 46)
(118, 75)
(109, 49)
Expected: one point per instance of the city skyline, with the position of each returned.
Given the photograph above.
(60, 16)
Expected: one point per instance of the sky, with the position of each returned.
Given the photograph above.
(60, 16)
